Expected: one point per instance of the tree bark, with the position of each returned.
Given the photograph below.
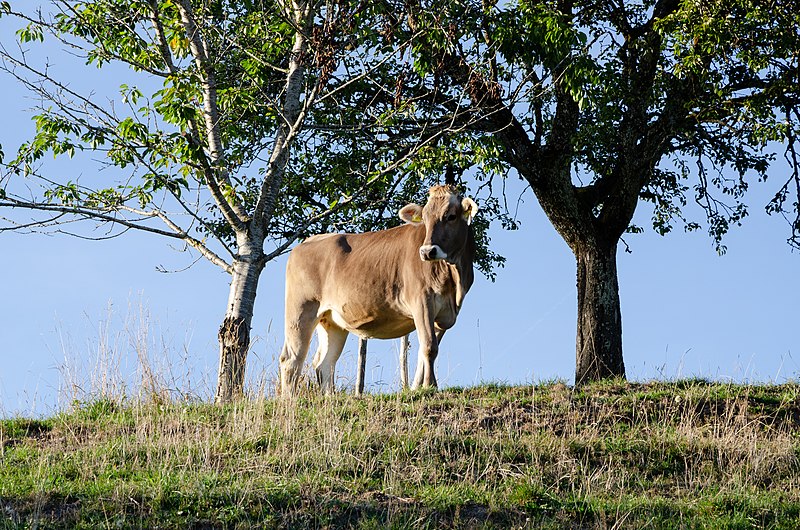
(405, 345)
(234, 340)
(362, 365)
(599, 338)
(234, 333)
(590, 218)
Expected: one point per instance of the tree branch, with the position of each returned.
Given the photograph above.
(106, 215)
(215, 172)
(292, 115)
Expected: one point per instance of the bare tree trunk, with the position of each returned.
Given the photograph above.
(599, 340)
(362, 365)
(234, 333)
(405, 344)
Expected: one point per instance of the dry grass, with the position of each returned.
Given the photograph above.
(615, 455)
(139, 447)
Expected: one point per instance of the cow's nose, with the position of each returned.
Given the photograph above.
(427, 252)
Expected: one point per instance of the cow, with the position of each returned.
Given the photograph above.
(381, 285)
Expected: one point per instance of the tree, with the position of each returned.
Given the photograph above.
(600, 105)
(230, 135)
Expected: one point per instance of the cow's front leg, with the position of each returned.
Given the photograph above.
(428, 350)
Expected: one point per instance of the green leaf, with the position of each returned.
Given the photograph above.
(30, 33)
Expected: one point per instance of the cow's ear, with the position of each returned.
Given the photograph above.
(470, 209)
(411, 213)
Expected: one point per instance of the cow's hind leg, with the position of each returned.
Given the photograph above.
(331, 343)
(298, 330)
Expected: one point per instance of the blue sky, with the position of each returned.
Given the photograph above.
(686, 310)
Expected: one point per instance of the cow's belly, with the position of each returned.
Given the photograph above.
(384, 325)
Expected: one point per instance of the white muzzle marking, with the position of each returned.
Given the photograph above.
(431, 253)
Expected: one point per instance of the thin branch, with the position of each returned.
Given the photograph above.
(293, 115)
(161, 39)
(103, 215)
(350, 198)
(76, 115)
(196, 243)
(110, 235)
(106, 215)
(98, 41)
(233, 213)
(35, 224)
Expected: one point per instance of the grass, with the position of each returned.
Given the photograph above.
(687, 454)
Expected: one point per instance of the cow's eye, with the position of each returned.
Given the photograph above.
(451, 217)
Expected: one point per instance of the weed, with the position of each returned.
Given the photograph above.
(671, 455)
(140, 454)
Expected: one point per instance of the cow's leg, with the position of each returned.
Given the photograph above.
(322, 348)
(428, 350)
(331, 343)
(419, 375)
(299, 327)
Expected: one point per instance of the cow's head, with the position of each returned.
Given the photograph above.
(447, 217)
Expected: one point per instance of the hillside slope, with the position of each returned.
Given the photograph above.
(614, 455)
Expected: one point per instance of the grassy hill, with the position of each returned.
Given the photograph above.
(663, 455)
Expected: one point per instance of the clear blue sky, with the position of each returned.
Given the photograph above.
(686, 311)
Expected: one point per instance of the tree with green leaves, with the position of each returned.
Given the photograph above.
(228, 133)
(602, 105)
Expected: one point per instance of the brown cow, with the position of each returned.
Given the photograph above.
(380, 285)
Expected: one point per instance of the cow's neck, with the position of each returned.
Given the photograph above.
(462, 272)
(466, 275)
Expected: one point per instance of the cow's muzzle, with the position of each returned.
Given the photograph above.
(431, 253)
